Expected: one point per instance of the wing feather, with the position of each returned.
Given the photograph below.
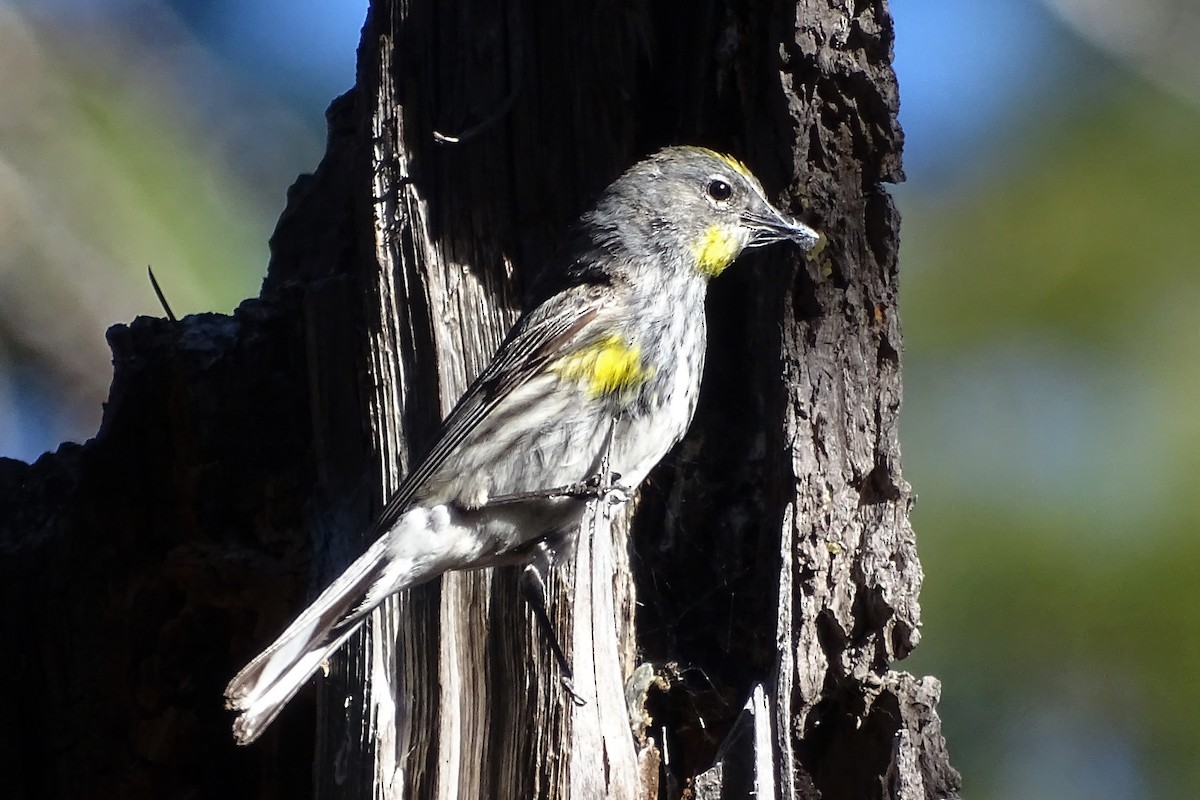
(534, 342)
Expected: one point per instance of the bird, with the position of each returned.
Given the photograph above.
(586, 394)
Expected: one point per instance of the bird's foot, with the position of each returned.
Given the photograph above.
(605, 488)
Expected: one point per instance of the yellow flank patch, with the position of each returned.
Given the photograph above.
(608, 366)
(716, 250)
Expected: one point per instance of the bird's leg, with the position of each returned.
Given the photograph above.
(533, 588)
(605, 483)
(606, 487)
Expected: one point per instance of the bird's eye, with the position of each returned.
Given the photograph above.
(719, 190)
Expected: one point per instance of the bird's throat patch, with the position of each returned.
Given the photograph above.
(608, 366)
(716, 250)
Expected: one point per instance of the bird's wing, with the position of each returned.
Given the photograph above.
(534, 342)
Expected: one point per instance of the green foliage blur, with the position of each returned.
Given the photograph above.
(123, 145)
(1050, 430)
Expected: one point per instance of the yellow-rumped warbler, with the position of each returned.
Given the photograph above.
(587, 393)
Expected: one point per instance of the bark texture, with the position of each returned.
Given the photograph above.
(774, 569)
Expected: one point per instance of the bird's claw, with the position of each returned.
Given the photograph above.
(606, 488)
(569, 687)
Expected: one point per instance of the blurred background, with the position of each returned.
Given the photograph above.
(1051, 242)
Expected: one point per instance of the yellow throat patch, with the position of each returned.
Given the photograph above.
(716, 250)
(608, 366)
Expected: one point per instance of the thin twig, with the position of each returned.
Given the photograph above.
(161, 299)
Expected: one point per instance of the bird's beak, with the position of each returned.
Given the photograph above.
(775, 226)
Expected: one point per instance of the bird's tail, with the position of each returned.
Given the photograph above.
(268, 682)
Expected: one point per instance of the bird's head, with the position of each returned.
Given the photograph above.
(691, 207)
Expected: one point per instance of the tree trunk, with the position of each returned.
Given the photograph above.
(773, 566)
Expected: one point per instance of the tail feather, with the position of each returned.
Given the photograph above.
(267, 683)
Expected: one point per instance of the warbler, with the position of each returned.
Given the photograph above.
(588, 391)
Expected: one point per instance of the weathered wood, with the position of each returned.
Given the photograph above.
(465, 699)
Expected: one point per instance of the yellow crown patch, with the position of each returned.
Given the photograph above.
(730, 161)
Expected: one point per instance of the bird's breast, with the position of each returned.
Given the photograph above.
(651, 421)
